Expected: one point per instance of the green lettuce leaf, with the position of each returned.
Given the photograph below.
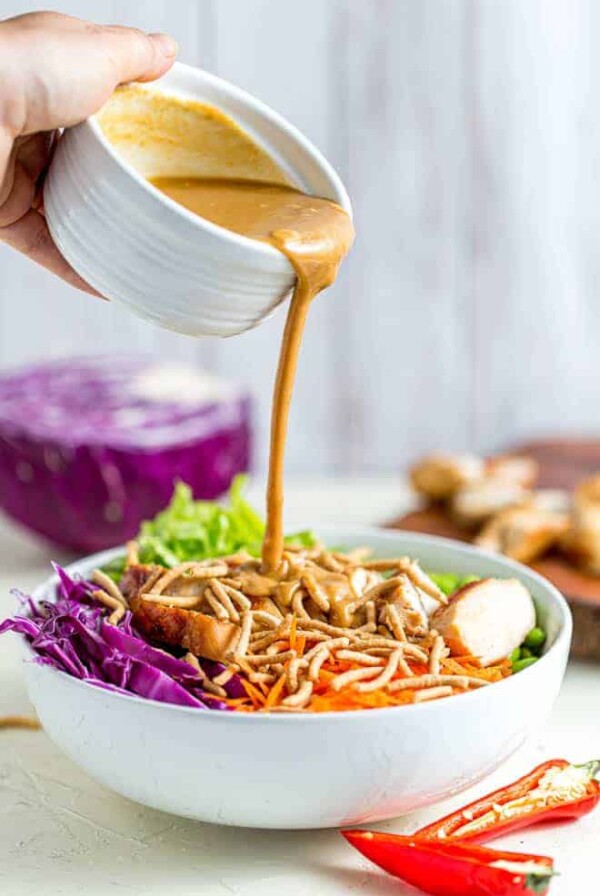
(197, 530)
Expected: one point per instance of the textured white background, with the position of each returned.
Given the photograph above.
(468, 133)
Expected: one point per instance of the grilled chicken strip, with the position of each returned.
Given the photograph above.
(202, 635)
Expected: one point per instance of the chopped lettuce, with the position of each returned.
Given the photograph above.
(197, 530)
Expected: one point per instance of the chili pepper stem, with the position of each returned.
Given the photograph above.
(537, 883)
(592, 767)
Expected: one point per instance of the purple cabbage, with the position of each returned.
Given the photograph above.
(71, 634)
(91, 447)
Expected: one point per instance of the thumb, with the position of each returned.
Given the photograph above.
(137, 56)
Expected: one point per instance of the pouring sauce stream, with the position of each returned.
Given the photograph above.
(315, 235)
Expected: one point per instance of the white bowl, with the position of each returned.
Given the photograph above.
(308, 771)
(137, 247)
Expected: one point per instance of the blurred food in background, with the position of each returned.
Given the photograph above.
(497, 505)
(89, 447)
(539, 504)
(581, 542)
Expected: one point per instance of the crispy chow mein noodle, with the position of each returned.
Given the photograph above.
(326, 631)
(19, 722)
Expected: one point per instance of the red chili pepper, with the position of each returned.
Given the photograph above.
(553, 791)
(454, 869)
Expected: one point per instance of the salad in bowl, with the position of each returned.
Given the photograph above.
(373, 673)
(189, 616)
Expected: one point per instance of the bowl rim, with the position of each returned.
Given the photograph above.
(262, 109)
(560, 643)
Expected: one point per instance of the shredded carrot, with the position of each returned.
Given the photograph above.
(254, 694)
(326, 675)
(460, 665)
(324, 699)
(470, 659)
(275, 692)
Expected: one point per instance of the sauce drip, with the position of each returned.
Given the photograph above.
(315, 234)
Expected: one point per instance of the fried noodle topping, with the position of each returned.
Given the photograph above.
(324, 631)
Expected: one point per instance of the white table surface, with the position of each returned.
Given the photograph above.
(61, 834)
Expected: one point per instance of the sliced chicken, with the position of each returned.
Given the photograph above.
(588, 492)
(438, 476)
(486, 619)
(523, 533)
(136, 576)
(407, 598)
(513, 469)
(429, 595)
(581, 542)
(556, 499)
(477, 501)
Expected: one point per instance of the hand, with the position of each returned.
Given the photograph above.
(55, 71)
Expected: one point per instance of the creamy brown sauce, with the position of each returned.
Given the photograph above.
(168, 136)
(315, 235)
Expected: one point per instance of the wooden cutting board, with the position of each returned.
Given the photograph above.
(563, 463)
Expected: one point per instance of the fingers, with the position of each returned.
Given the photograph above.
(136, 56)
(26, 164)
(34, 152)
(57, 70)
(31, 236)
(20, 190)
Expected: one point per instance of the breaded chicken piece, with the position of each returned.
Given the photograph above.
(477, 501)
(523, 533)
(587, 492)
(557, 500)
(438, 476)
(486, 619)
(515, 469)
(581, 543)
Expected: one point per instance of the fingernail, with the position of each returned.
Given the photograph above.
(166, 44)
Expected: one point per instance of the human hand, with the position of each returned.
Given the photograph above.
(55, 71)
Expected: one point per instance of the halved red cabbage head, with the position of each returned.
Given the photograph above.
(71, 634)
(91, 447)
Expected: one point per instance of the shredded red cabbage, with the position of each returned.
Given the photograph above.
(71, 634)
